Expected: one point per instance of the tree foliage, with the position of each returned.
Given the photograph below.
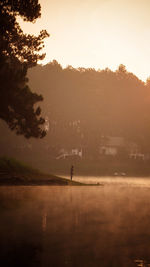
(18, 52)
(93, 104)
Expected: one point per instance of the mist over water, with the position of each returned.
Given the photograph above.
(125, 181)
(75, 226)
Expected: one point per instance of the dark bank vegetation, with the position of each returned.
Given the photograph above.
(14, 172)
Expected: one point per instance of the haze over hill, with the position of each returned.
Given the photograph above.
(82, 107)
(100, 102)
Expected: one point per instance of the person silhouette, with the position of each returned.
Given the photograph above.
(71, 172)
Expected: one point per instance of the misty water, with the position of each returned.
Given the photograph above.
(105, 225)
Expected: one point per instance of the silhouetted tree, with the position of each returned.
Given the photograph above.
(122, 68)
(18, 52)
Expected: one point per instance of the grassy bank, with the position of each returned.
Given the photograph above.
(14, 172)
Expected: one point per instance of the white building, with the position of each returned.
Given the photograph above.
(134, 152)
(111, 145)
(73, 152)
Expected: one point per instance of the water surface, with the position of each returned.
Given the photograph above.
(116, 180)
(76, 226)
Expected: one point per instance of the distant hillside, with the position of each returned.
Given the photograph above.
(83, 107)
(83, 104)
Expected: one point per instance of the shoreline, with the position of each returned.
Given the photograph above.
(39, 180)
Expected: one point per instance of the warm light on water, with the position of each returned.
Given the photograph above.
(124, 181)
(128, 181)
(76, 225)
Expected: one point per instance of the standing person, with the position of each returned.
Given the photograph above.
(71, 172)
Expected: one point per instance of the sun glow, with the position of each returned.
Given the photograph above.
(96, 34)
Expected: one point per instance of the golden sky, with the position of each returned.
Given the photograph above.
(97, 33)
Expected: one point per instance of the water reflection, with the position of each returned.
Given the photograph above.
(44, 220)
(75, 226)
(126, 181)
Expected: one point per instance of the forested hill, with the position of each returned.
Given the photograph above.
(82, 108)
(94, 102)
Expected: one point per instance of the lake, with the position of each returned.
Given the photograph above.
(84, 226)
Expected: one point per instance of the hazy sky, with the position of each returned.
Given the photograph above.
(97, 33)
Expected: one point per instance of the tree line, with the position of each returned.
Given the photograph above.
(84, 104)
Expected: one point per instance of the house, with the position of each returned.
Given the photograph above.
(134, 152)
(74, 152)
(110, 146)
